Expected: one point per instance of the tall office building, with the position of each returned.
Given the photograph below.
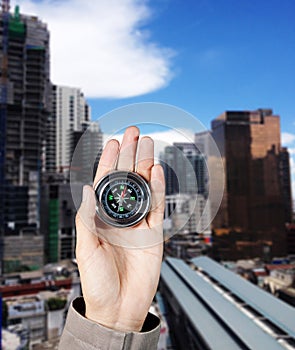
(87, 149)
(187, 214)
(68, 122)
(167, 160)
(252, 215)
(58, 222)
(186, 173)
(185, 169)
(285, 178)
(69, 112)
(25, 106)
(58, 209)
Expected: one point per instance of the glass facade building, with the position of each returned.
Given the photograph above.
(253, 211)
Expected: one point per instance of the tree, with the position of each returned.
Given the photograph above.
(56, 304)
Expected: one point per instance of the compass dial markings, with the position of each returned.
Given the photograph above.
(124, 198)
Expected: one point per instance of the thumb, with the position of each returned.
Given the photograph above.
(85, 220)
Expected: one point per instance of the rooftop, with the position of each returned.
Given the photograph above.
(227, 311)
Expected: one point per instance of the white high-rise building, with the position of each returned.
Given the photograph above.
(70, 111)
(186, 214)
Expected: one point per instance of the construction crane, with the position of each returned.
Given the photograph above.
(3, 115)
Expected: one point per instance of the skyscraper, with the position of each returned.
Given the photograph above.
(252, 212)
(69, 112)
(285, 178)
(87, 148)
(185, 169)
(185, 172)
(25, 106)
(68, 122)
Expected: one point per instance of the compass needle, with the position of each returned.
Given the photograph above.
(131, 202)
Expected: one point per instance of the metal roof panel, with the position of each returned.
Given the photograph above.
(241, 325)
(277, 311)
(212, 332)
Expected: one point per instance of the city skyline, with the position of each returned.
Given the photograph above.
(50, 148)
(205, 57)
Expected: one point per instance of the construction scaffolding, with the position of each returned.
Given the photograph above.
(25, 108)
(3, 116)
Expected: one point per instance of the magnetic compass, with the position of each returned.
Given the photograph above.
(123, 198)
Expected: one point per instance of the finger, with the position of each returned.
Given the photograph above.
(107, 160)
(157, 185)
(145, 158)
(127, 153)
(85, 222)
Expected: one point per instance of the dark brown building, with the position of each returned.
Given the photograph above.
(290, 239)
(257, 202)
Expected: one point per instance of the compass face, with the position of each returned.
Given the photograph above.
(123, 198)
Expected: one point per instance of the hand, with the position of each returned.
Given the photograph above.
(119, 282)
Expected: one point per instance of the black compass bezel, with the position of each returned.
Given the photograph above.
(143, 203)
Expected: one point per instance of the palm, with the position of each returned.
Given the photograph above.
(118, 281)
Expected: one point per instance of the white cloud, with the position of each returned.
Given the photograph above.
(167, 138)
(291, 151)
(287, 138)
(100, 46)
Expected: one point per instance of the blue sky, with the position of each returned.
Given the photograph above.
(204, 56)
(228, 55)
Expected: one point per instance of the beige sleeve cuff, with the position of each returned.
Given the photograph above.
(81, 333)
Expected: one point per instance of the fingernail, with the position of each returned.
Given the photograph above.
(85, 194)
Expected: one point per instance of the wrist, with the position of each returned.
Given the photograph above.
(122, 323)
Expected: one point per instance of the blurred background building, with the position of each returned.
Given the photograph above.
(25, 107)
(186, 220)
(40, 126)
(69, 121)
(69, 112)
(257, 199)
(87, 148)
